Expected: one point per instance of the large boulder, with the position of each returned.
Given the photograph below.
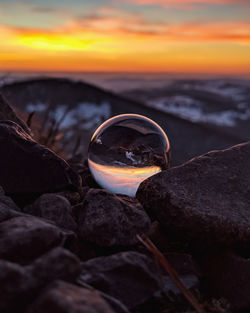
(108, 219)
(206, 200)
(62, 297)
(55, 208)
(29, 168)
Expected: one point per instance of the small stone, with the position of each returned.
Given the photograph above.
(24, 238)
(108, 219)
(15, 287)
(62, 297)
(55, 208)
(20, 284)
(206, 200)
(58, 263)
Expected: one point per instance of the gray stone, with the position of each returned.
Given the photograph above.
(206, 200)
(61, 297)
(55, 208)
(108, 219)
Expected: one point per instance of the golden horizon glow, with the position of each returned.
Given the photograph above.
(121, 180)
(114, 40)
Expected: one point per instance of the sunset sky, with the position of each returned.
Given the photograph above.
(125, 35)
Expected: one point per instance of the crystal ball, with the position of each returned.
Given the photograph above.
(125, 150)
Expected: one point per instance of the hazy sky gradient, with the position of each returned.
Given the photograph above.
(126, 35)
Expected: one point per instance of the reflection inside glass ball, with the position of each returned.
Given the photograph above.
(125, 150)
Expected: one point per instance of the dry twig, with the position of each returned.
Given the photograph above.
(172, 273)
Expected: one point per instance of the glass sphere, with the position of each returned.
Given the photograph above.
(125, 150)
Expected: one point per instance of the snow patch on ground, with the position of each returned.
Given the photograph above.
(191, 110)
(129, 155)
(38, 107)
(87, 115)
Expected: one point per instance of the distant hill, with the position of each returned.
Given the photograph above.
(222, 103)
(78, 108)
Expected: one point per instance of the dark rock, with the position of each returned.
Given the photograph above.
(28, 168)
(228, 276)
(206, 200)
(7, 202)
(130, 277)
(8, 208)
(55, 208)
(58, 263)
(114, 303)
(72, 196)
(187, 270)
(61, 297)
(81, 167)
(108, 219)
(165, 241)
(87, 177)
(83, 249)
(7, 113)
(138, 277)
(24, 238)
(15, 287)
(20, 285)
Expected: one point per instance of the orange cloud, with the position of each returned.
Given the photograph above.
(116, 41)
(184, 3)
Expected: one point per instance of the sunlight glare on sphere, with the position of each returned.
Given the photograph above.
(125, 150)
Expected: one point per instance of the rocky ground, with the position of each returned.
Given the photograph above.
(67, 246)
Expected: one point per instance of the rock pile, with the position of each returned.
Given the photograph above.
(67, 246)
